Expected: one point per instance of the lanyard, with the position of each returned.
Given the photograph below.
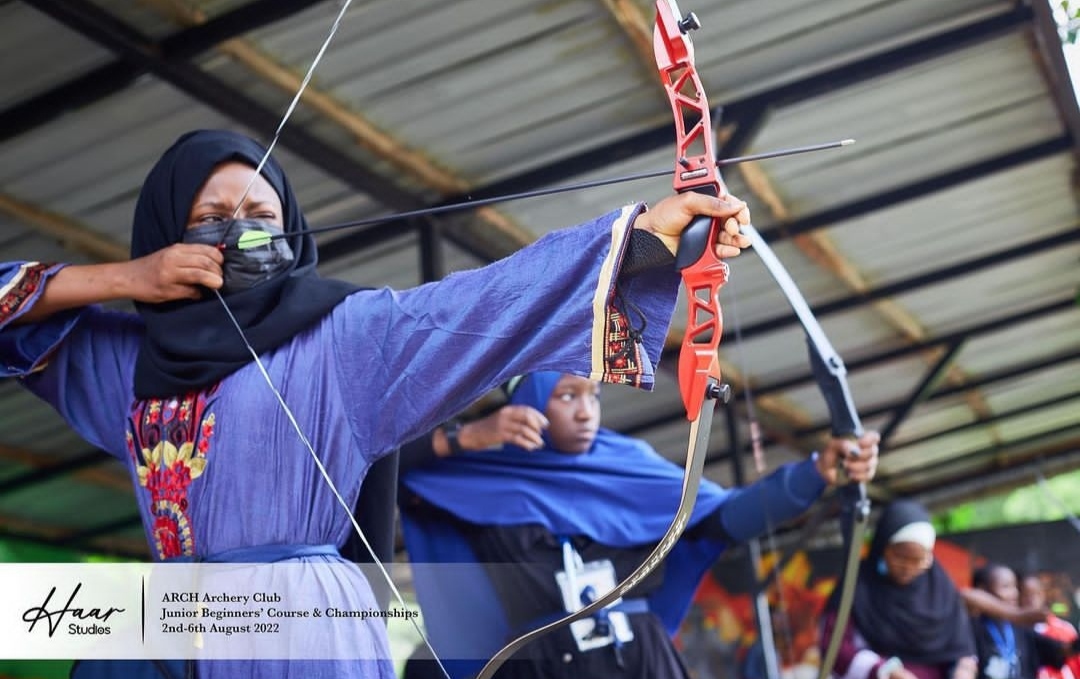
(572, 565)
(1004, 640)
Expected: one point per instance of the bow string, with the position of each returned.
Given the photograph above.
(831, 377)
(703, 274)
(262, 369)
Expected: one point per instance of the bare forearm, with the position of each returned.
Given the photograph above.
(987, 604)
(78, 286)
(470, 438)
(180, 271)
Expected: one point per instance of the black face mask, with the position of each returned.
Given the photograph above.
(245, 268)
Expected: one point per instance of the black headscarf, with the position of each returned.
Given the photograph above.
(191, 344)
(922, 622)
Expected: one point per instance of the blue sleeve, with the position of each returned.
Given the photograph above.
(429, 352)
(775, 499)
(81, 362)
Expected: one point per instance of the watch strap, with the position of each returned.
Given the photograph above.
(452, 430)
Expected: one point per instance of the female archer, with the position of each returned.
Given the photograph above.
(568, 509)
(222, 470)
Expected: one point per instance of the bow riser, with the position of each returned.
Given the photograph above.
(702, 271)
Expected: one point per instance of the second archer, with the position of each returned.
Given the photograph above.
(561, 511)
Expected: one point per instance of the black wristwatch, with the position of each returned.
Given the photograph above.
(451, 430)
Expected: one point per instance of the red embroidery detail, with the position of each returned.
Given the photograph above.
(622, 354)
(25, 285)
(168, 442)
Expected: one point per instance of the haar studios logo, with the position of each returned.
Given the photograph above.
(80, 619)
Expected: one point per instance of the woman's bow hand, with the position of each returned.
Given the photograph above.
(858, 458)
(668, 218)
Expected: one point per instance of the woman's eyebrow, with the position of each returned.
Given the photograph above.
(210, 203)
(218, 205)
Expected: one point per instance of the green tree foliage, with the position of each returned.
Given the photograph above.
(1067, 15)
(1055, 500)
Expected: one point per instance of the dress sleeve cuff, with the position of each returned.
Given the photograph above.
(25, 348)
(806, 483)
(626, 348)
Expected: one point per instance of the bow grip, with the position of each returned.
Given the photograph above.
(696, 238)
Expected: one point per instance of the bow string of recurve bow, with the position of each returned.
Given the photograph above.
(703, 274)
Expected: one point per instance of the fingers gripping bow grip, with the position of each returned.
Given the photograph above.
(831, 376)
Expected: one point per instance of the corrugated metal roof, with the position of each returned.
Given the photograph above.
(26, 32)
(965, 156)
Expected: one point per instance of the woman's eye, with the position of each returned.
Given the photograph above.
(210, 219)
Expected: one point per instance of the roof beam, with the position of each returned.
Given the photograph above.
(1000, 324)
(432, 259)
(91, 475)
(106, 30)
(1055, 69)
(409, 162)
(832, 79)
(638, 31)
(102, 28)
(999, 416)
(926, 386)
(985, 380)
(110, 78)
(1004, 256)
(88, 535)
(239, 21)
(920, 188)
(52, 471)
(1011, 372)
(1055, 459)
(996, 455)
(71, 234)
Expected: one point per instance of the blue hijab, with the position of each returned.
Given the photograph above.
(620, 493)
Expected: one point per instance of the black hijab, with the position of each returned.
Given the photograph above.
(191, 344)
(922, 622)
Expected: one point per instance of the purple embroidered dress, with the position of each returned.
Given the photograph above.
(223, 469)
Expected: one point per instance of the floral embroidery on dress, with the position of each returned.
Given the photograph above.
(168, 440)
